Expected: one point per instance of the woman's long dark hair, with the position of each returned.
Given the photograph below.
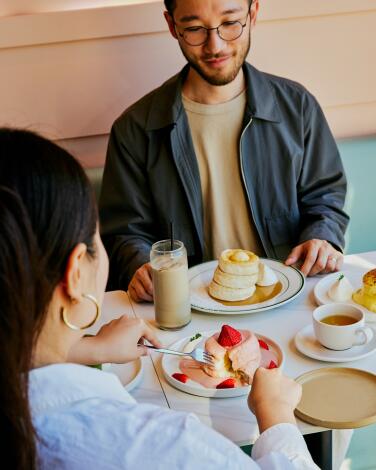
(47, 206)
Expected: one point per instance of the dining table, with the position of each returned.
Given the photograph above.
(231, 416)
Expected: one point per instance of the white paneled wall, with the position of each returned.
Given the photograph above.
(70, 73)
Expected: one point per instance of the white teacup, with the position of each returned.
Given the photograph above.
(343, 333)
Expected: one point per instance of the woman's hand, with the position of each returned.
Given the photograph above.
(273, 398)
(118, 341)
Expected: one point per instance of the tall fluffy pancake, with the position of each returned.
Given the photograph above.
(230, 293)
(234, 280)
(366, 296)
(241, 262)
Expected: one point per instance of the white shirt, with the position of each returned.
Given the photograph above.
(85, 419)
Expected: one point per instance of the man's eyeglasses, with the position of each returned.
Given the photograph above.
(227, 31)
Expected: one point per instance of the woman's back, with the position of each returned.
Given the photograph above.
(87, 420)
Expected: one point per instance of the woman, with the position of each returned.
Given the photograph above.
(53, 271)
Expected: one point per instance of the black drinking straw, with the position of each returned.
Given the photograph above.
(171, 235)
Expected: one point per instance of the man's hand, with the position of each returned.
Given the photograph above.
(141, 285)
(316, 256)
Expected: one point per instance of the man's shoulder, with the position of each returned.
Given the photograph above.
(283, 87)
(139, 111)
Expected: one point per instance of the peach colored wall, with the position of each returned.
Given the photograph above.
(70, 73)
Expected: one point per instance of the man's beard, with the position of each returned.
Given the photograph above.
(219, 79)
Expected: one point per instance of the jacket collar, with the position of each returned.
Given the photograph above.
(59, 385)
(167, 104)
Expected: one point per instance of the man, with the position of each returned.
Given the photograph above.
(232, 156)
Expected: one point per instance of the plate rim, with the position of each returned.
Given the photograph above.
(248, 310)
(319, 358)
(132, 384)
(334, 424)
(218, 393)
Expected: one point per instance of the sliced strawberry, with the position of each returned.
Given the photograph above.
(229, 336)
(263, 345)
(272, 365)
(181, 377)
(228, 383)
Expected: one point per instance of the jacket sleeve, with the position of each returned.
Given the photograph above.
(125, 206)
(322, 181)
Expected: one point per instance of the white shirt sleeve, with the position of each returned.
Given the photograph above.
(107, 434)
(283, 439)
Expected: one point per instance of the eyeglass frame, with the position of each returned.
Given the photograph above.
(212, 29)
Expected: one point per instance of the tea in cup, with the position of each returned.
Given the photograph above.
(340, 326)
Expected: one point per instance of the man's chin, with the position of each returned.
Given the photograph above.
(219, 78)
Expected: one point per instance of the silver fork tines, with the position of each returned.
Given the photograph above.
(198, 354)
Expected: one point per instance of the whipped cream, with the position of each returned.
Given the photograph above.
(341, 290)
(192, 343)
(266, 276)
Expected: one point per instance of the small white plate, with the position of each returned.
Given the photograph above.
(130, 374)
(200, 276)
(307, 344)
(320, 291)
(170, 365)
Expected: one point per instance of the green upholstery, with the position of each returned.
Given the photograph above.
(359, 159)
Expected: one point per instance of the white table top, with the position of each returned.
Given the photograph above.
(231, 416)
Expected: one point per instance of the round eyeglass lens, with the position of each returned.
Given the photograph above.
(230, 31)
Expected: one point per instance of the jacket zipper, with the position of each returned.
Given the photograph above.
(245, 183)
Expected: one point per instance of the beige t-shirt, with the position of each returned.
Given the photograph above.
(215, 131)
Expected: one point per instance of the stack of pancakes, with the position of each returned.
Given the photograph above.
(236, 275)
(366, 296)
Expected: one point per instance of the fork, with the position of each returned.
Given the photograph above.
(198, 354)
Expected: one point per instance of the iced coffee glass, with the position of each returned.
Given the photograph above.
(170, 283)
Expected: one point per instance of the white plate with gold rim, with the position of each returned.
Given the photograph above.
(171, 365)
(320, 291)
(290, 285)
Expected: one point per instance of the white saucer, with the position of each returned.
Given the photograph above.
(307, 344)
(320, 291)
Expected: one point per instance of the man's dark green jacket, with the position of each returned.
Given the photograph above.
(291, 172)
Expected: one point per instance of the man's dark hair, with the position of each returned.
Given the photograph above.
(170, 5)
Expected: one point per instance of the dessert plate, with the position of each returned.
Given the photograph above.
(320, 291)
(171, 365)
(307, 344)
(130, 374)
(200, 276)
(338, 398)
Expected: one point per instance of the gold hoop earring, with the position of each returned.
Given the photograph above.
(75, 327)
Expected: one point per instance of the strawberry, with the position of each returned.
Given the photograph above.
(229, 336)
(263, 345)
(228, 383)
(272, 365)
(181, 377)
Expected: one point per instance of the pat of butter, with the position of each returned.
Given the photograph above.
(240, 256)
